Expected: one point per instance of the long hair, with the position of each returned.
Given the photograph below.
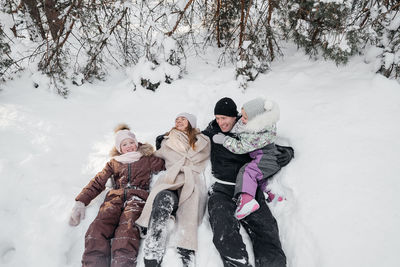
(191, 133)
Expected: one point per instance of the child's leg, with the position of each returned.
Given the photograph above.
(246, 186)
(97, 240)
(268, 166)
(263, 165)
(125, 245)
(246, 205)
(249, 175)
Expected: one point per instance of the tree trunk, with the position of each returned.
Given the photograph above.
(53, 17)
(32, 7)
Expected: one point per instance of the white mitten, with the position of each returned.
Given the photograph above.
(219, 138)
(77, 214)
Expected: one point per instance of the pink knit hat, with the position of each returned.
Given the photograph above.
(121, 136)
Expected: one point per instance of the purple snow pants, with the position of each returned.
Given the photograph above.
(255, 173)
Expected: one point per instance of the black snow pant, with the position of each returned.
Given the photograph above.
(260, 225)
(165, 204)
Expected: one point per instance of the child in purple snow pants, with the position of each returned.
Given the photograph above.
(255, 134)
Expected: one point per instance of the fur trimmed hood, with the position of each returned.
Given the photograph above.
(145, 149)
(264, 120)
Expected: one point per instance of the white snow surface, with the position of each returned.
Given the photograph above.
(342, 206)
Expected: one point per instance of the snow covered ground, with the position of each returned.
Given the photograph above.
(342, 202)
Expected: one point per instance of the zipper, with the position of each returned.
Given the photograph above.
(129, 175)
(128, 185)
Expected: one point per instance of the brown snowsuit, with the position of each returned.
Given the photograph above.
(121, 207)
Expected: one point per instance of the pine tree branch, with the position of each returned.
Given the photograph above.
(103, 43)
(180, 17)
(270, 45)
(217, 14)
(242, 25)
(59, 45)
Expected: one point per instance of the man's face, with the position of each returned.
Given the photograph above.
(225, 123)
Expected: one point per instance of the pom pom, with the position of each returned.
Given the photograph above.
(268, 105)
(121, 126)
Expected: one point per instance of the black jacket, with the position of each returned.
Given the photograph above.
(225, 165)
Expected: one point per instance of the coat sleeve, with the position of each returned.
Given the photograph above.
(156, 164)
(247, 142)
(209, 131)
(96, 185)
(285, 156)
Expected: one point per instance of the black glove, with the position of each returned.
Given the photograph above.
(285, 156)
(158, 141)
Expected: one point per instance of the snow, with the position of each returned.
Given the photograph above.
(246, 44)
(342, 203)
(394, 23)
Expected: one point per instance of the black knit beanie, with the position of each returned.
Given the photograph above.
(225, 106)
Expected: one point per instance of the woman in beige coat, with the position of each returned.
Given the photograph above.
(181, 192)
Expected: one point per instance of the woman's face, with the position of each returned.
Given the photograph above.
(128, 145)
(181, 123)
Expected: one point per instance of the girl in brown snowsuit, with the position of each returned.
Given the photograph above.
(131, 168)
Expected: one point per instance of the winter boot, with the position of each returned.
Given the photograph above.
(187, 257)
(247, 205)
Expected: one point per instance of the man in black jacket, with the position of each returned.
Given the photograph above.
(260, 225)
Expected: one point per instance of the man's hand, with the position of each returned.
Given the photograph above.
(219, 138)
(285, 156)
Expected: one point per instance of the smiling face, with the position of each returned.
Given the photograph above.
(225, 123)
(244, 118)
(128, 145)
(181, 123)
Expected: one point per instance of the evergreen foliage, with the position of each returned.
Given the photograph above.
(78, 41)
(5, 59)
(385, 23)
(320, 28)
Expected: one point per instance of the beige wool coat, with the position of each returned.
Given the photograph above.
(184, 173)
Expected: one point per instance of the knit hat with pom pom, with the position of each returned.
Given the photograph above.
(123, 132)
(257, 106)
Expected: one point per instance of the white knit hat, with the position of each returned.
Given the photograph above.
(121, 136)
(190, 117)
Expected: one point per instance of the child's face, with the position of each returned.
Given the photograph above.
(128, 145)
(181, 123)
(244, 117)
